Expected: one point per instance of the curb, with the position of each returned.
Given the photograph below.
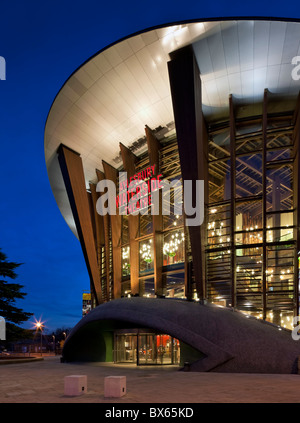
(20, 360)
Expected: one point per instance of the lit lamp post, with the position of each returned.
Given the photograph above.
(54, 345)
(38, 326)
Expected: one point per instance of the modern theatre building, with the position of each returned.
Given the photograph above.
(216, 102)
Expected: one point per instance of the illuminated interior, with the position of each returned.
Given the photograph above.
(144, 348)
(260, 243)
(242, 252)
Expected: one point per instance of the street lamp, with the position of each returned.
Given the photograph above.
(54, 345)
(38, 326)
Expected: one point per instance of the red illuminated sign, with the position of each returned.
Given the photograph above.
(140, 186)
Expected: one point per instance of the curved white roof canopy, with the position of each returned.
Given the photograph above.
(116, 93)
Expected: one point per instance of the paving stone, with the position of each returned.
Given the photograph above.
(43, 382)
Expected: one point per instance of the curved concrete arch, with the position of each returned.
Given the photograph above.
(228, 340)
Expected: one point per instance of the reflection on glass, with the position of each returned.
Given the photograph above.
(125, 348)
(147, 349)
(174, 285)
(147, 288)
(164, 349)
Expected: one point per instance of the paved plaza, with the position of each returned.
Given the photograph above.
(43, 382)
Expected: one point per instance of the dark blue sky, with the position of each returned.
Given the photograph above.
(43, 42)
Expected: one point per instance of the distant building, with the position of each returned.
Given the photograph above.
(86, 303)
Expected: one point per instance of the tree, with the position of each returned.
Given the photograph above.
(9, 293)
(62, 333)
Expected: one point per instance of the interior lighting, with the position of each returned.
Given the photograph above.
(146, 253)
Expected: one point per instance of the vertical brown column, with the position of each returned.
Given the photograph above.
(92, 195)
(99, 238)
(129, 161)
(116, 225)
(296, 182)
(98, 221)
(232, 197)
(153, 151)
(192, 140)
(106, 231)
(264, 203)
(73, 175)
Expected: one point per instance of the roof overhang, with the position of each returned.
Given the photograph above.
(113, 95)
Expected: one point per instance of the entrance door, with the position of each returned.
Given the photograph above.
(147, 349)
(126, 346)
(164, 349)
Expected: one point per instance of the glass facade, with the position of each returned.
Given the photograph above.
(251, 242)
(146, 257)
(250, 239)
(167, 246)
(144, 348)
(173, 247)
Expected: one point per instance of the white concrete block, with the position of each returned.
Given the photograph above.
(75, 385)
(114, 386)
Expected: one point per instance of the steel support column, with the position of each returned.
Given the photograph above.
(116, 227)
(192, 140)
(73, 175)
(129, 161)
(153, 151)
(106, 230)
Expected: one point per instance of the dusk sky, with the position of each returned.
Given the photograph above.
(43, 43)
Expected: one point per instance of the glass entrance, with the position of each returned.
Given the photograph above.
(146, 348)
(126, 347)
